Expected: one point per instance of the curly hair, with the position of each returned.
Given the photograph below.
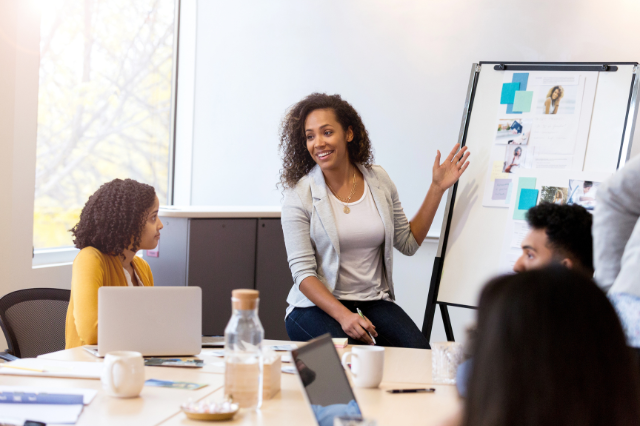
(114, 216)
(296, 160)
(568, 228)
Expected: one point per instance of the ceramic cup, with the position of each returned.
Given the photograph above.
(367, 364)
(123, 374)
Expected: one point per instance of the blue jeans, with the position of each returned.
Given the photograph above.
(393, 325)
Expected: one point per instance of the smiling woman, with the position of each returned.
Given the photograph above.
(119, 219)
(341, 218)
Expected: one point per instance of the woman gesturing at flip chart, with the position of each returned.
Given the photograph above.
(120, 218)
(341, 218)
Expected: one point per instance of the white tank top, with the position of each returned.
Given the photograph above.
(361, 236)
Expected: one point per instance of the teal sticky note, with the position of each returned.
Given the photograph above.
(508, 200)
(522, 101)
(528, 198)
(523, 183)
(509, 92)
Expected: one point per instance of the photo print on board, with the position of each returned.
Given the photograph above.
(554, 194)
(515, 157)
(583, 193)
(513, 131)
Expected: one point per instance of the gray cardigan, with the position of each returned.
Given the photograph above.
(311, 236)
(616, 231)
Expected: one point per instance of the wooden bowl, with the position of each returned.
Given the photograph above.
(210, 416)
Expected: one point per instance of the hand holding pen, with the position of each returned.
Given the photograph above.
(360, 313)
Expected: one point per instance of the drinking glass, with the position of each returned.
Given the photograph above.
(445, 359)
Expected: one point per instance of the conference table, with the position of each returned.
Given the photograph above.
(404, 368)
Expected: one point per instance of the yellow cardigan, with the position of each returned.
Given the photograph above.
(93, 269)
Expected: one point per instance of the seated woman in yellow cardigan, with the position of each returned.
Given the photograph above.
(117, 221)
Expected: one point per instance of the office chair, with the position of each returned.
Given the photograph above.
(33, 321)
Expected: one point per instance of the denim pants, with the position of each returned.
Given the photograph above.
(393, 325)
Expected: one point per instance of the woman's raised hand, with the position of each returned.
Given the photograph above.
(448, 173)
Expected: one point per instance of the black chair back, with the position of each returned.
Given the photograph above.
(33, 321)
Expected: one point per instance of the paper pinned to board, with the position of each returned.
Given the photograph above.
(522, 101)
(520, 231)
(496, 171)
(523, 183)
(528, 198)
(509, 92)
(500, 189)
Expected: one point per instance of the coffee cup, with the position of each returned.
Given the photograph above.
(367, 365)
(123, 374)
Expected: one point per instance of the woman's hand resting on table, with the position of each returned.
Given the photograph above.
(357, 327)
(448, 173)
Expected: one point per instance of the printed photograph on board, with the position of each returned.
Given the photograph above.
(554, 194)
(556, 99)
(583, 193)
(515, 157)
(513, 131)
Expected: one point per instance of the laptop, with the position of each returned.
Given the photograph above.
(324, 381)
(155, 321)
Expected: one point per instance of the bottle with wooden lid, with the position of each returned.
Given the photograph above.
(243, 350)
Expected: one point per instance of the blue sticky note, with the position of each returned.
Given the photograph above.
(509, 92)
(522, 101)
(528, 198)
(523, 79)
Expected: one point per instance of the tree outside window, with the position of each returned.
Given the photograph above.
(104, 105)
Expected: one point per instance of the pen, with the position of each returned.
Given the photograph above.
(411, 390)
(360, 313)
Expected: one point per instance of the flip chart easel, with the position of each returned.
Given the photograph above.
(471, 235)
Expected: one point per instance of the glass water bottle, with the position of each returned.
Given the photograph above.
(243, 351)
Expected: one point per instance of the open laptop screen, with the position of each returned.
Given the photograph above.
(324, 381)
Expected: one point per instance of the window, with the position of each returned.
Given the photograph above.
(104, 106)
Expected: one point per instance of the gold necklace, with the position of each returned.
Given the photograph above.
(346, 209)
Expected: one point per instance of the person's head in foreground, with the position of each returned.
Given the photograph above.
(121, 215)
(559, 234)
(549, 350)
(325, 130)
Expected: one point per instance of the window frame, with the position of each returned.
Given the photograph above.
(56, 256)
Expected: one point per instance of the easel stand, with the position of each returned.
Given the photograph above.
(624, 152)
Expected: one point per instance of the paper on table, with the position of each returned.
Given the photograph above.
(522, 101)
(45, 413)
(520, 230)
(88, 394)
(71, 369)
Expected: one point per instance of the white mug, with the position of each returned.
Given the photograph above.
(123, 374)
(367, 364)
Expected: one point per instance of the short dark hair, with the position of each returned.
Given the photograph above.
(568, 228)
(296, 160)
(114, 216)
(549, 350)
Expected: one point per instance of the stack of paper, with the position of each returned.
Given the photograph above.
(18, 413)
(50, 368)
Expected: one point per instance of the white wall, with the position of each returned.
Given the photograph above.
(19, 56)
(404, 65)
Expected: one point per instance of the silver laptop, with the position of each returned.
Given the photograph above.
(155, 321)
(324, 381)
